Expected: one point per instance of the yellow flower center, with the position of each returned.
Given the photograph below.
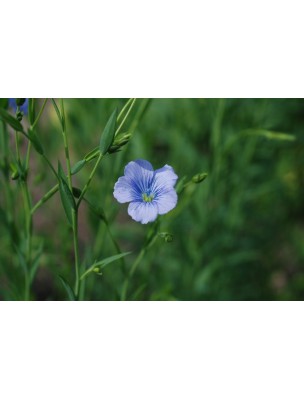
(147, 198)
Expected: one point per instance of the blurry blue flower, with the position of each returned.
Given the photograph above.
(149, 192)
(13, 105)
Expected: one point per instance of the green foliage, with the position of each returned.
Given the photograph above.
(237, 234)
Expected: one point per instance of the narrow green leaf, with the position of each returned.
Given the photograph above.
(78, 166)
(62, 115)
(31, 111)
(58, 113)
(68, 289)
(271, 135)
(108, 134)
(92, 154)
(97, 266)
(9, 119)
(35, 141)
(61, 173)
(66, 195)
(109, 260)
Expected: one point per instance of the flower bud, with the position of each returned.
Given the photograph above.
(20, 102)
(198, 178)
(19, 115)
(76, 192)
(119, 142)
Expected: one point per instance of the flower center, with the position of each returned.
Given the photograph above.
(147, 197)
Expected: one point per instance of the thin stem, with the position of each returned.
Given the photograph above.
(76, 251)
(134, 267)
(28, 152)
(66, 147)
(17, 141)
(45, 198)
(132, 271)
(125, 117)
(39, 114)
(28, 233)
(123, 109)
(84, 190)
(7, 186)
(74, 212)
(29, 144)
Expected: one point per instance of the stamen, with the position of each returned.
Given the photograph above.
(147, 197)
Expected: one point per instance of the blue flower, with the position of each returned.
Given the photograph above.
(150, 193)
(24, 108)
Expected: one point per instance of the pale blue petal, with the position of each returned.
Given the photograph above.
(164, 179)
(166, 201)
(124, 191)
(143, 212)
(140, 174)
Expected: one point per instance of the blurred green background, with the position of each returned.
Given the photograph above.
(239, 235)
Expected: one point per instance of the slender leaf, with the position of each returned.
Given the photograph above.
(31, 111)
(109, 260)
(78, 166)
(97, 266)
(9, 119)
(32, 136)
(58, 113)
(92, 154)
(66, 195)
(68, 289)
(108, 134)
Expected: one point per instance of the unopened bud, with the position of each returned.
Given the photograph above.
(20, 102)
(119, 142)
(198, 178)
(76, 192)
(19, 115)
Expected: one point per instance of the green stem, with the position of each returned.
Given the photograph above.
(84, 190)
(45, 198)
(29, 144)
(132, 271)
(76, 251)
(125, 117)
(134, 267)
(124, 109)
(66, 147)
(74, 212)
(17, 141)
(139, 114)
(39, 114)
(50, 165)
(28, 223)
(7, 186)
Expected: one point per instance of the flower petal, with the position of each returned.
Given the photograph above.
(140, 173)
(164, 179)
(124, 191)
(143, 212)
(166, 201)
